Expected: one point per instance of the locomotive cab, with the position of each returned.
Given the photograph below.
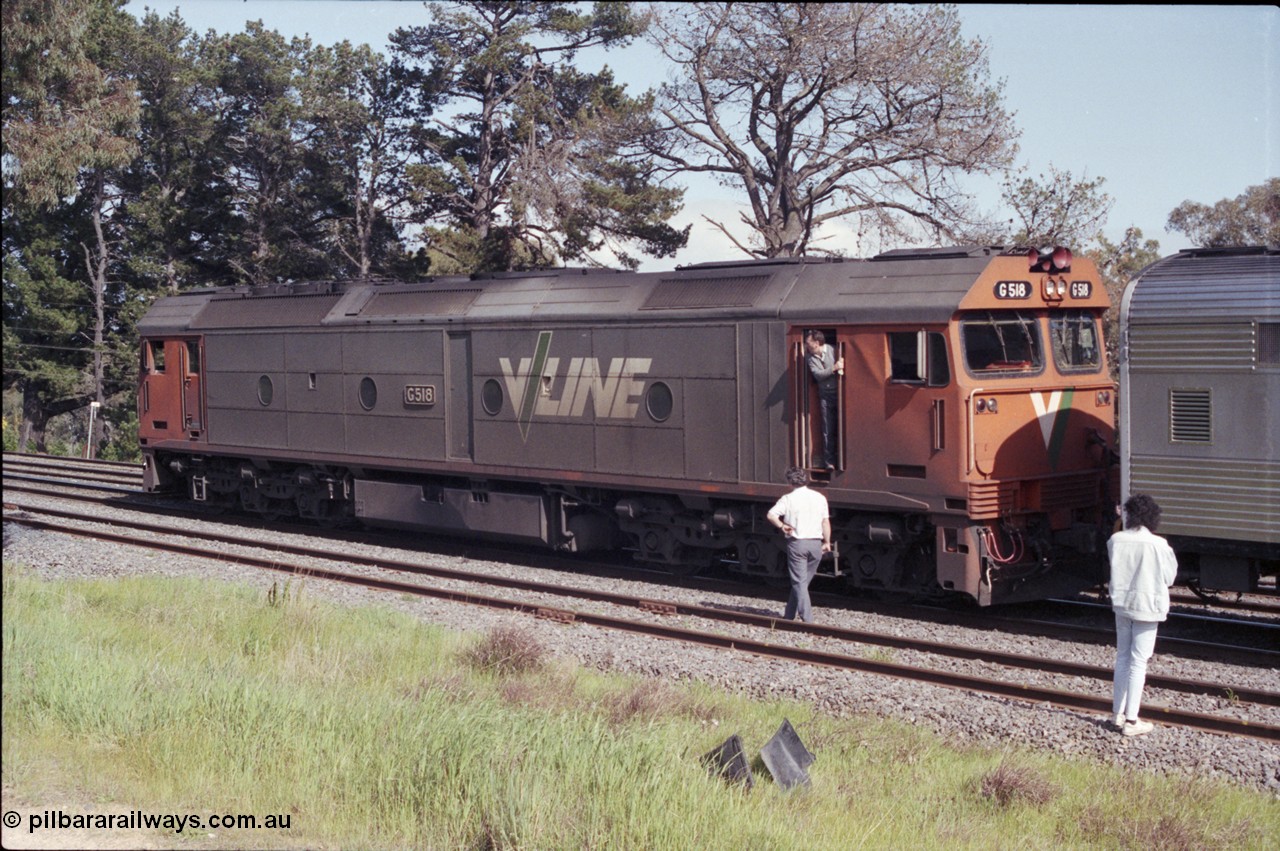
(1038, 420)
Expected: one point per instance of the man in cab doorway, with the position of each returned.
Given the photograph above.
(826, 370)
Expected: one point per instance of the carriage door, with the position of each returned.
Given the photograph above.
(806, 433)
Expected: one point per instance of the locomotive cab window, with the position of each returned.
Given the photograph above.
(918, 357)
(1002, 341)
(1074, 337)
(155, 357)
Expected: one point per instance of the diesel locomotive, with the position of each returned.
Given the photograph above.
(1200, 409)
(590, 410)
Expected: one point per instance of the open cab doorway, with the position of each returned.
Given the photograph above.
(808, 446)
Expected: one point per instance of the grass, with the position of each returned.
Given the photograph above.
(369, 729)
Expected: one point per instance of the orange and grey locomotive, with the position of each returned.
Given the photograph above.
(593, 410)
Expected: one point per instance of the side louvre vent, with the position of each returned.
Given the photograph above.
(1190, 416)
(1269, 343)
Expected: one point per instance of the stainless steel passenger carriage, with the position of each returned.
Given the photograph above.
(1200, 410)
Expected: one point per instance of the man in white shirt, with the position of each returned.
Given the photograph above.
(804, 518)
(1143, 567)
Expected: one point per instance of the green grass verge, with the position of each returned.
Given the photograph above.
(370, 729)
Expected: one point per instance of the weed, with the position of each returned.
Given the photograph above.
(394, 737)
(879, 654)
(281, 597)
(1009, 784)
(508, 650)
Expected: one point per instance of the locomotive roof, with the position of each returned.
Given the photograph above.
(1200, 285)
(910, 286)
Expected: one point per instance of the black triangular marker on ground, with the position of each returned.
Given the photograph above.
(787, 758)
(730, 761)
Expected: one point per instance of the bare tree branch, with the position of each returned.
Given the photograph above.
(800, 104)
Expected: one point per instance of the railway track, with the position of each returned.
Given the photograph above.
(754, 633)
(1189, 632)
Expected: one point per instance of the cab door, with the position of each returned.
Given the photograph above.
(170, 392)
(916, 393)
(192, 388)
(806, 428)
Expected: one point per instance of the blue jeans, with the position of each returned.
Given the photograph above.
(803, 555)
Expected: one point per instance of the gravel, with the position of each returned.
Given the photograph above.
(960, 717)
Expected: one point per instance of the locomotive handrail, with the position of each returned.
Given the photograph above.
(972, 443)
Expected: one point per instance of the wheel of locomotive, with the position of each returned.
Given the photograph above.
(780, 576)
(919, 572)
(687, 561)
(277, 511)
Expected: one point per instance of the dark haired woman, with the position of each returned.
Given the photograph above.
(1142, 569)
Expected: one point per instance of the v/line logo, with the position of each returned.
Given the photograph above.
(1052, 416)
(614, 392)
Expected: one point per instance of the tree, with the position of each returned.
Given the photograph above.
(1118, 264)
(363, 123)
(176, 207)
(282, 189)
(1058, 210)
(522, 153)
(823, 111)
(69, 118)
(64, 112)
(46, 304)
(1252, 218)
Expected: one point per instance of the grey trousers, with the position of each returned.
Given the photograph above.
(803, 555)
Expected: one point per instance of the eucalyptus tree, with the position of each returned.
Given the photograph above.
(525, 157)
(1057, 209)
(818, 112)
(1251, 218)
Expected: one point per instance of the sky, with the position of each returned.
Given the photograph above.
(1166, 103)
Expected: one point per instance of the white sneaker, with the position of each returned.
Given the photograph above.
(1119, 720)
(1137, 728)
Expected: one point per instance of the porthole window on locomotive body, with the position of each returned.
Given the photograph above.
(368, 393)
(266, 390)
(491, 397)
(659, 401)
